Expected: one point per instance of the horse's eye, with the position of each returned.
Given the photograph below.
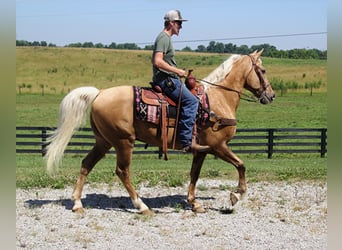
(263, 71)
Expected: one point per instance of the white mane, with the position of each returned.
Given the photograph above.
(218, 74)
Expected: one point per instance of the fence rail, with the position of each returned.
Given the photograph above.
(267, 141)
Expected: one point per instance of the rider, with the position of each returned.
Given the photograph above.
(166, 75)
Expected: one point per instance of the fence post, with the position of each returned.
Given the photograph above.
(270, 143)
(323, 142)
(44, 141)
(160, 152)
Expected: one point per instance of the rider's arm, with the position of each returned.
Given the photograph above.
(161, 64)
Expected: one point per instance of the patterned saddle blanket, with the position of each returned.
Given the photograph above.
(148, 105)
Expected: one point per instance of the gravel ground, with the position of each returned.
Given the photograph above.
(271, 216)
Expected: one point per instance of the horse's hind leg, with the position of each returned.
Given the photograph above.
(98, 151)
(124, 151)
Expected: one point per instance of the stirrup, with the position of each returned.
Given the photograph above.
(196, 148)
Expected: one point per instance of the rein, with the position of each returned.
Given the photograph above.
(242, 96)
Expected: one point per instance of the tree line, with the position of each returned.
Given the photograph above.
(212, 47)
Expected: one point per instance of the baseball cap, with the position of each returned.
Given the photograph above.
(174, 15)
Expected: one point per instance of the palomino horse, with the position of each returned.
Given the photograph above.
(114, 125)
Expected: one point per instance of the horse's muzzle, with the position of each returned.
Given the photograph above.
(267, 98)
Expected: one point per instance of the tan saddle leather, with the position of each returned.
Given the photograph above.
(152, 97)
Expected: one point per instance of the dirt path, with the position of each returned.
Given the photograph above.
(271, 216)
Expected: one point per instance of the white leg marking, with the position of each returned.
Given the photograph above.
(138, 203)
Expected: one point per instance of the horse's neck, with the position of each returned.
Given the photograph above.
(235, 80)
(221, 71)
(223, 102)
(227, 99)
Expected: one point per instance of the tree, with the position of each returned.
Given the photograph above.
(201, 48)
(219, 48)
(149, 47)
(211, 46)
(131, 46)
(229, 48)
(312, 85)
(88, 45)
(35, 43)
(243, 49)
(74, 45)
(29, 86)
(22, 43)
(99, 45)
(268, 49)
(42, 87)
(112, 46)
(23, 85)
(187, 49)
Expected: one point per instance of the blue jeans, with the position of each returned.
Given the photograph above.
(189, 106)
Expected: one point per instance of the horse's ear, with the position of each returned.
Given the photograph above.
(254, 53)
(259, 53)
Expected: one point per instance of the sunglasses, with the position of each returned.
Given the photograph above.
(179, 23)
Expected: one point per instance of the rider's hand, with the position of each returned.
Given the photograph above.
(181, 73)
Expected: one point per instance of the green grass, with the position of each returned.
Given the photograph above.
(37, 110)
(293, 110)
(31, 171)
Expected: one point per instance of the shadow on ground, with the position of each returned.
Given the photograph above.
(102, 201)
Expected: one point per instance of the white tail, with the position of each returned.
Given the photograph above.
(72, 114)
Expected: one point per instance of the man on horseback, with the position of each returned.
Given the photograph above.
(166, 75)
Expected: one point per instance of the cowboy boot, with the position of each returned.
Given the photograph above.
(195, 147)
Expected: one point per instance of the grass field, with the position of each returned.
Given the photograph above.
(47, 74)
(31, 172)
(58, 70)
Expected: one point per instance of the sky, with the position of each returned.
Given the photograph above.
(285, 24)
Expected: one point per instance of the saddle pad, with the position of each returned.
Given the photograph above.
(144, 111)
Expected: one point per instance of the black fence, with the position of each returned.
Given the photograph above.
(267, 141)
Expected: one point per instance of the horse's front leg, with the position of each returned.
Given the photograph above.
(242, 187)
(194, 174)
(227, 155)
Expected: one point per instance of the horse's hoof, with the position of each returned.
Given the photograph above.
(197, 208)
(78, 206)
(234, 198)
(226, 210)
(78, 210)
(147, 212)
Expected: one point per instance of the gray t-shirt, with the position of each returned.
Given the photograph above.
(164, 44)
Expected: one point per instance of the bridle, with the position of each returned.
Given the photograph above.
(258, 70)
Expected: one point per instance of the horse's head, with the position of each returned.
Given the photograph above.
(257, 81)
